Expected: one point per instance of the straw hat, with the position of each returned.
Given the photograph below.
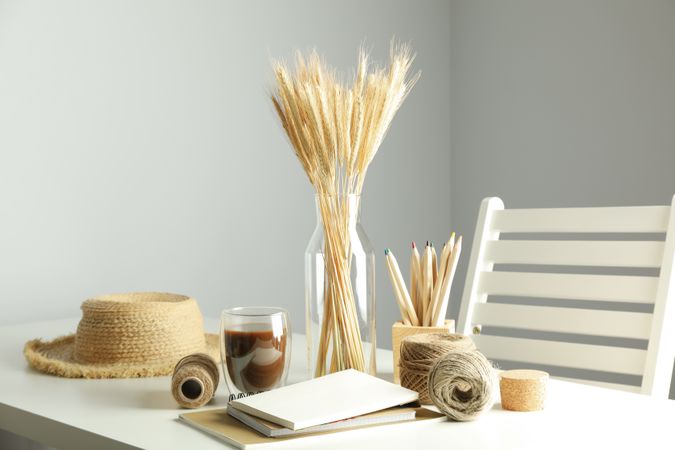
(140, 334)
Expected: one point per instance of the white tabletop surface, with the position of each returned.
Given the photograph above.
(141, 413)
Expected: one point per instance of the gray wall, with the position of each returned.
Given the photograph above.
(139, 149)
(560, 103)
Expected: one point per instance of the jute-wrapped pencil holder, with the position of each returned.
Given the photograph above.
(399, 331)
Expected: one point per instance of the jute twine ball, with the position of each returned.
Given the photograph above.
(461, 384)
(418, 355)
(195, 380)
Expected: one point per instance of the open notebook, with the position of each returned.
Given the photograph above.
(330, 398)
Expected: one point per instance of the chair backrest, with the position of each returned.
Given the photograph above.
(654, 363)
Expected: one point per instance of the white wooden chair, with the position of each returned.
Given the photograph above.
(654, 364)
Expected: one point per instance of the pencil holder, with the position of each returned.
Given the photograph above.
(399, 331)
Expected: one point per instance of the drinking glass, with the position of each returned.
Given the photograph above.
(255, 346)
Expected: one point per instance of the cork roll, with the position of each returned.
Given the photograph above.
(523, 390)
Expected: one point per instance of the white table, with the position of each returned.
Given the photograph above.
(123, 414)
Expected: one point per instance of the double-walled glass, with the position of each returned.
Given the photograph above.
(255, 345)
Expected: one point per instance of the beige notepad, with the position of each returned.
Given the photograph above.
(271, 429)
(221, 425)
(333, 397)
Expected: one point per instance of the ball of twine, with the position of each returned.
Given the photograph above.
(420, 352)
(461, 384)
(195, 380)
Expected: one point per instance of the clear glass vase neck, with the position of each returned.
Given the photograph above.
(353, 204)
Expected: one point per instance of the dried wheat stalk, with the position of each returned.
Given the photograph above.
(335, 131)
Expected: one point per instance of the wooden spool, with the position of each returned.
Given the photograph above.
(195, 380)
(523, 390)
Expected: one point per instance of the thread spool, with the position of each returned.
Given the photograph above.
(461, 384)
(195, 380)
(420, 352)
(523, 390)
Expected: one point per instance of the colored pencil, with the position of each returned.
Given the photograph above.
(414, 279)
(397, 291)
(427, 281)
(404, 292)
(442, 309)
(438, 287)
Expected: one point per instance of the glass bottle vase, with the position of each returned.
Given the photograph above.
(339, 289)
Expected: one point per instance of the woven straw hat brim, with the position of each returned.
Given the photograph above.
(56, 358)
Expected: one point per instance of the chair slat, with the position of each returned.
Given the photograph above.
(565, 320)
(564, 354)
(631, 219)
(646, 254)
(634, 289)
(661, 349)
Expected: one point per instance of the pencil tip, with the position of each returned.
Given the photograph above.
(427, 243)
(386, 251)
(413, 244)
